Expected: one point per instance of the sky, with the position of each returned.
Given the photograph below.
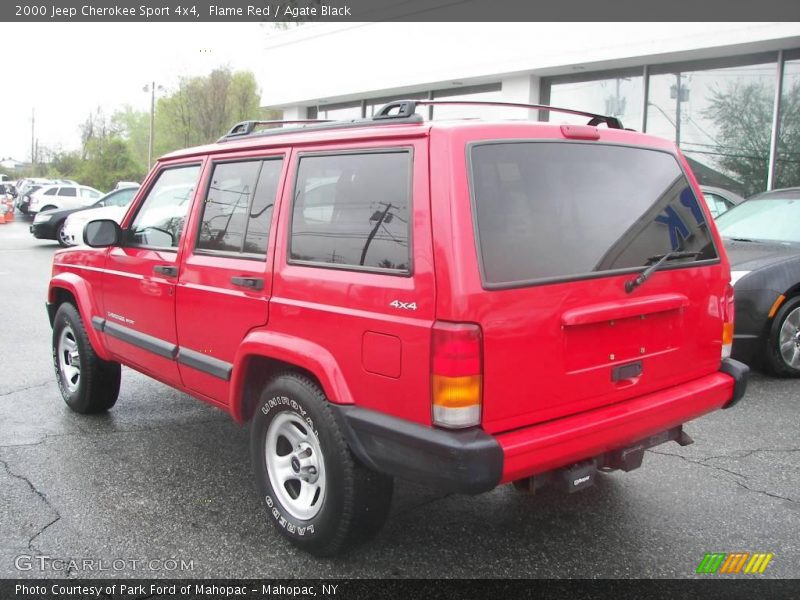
(63, 71)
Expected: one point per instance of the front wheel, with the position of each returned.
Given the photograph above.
(87, 383)
(317, 494)
(783, 343)
(61, 235)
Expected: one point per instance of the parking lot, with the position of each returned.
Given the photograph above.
(164, 480)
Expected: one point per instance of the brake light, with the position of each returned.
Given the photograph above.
(456, 374)
(728, 311)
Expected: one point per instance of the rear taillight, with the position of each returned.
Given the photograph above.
(456, 374)
(728, 311)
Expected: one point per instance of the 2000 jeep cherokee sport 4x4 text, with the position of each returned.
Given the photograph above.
(461, 304)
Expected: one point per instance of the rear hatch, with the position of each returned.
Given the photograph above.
(563, 228)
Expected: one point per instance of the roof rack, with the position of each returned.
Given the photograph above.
(404, 108)
(397, 112)
(247, 127)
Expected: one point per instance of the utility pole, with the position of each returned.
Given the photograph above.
(678, 112)
(152, 114)
(33, 136)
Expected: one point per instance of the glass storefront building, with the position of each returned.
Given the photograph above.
(736, 119)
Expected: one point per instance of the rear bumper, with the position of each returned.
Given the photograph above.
(472, 461)
(552, 445)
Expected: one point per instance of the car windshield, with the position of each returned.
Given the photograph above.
(770, 219)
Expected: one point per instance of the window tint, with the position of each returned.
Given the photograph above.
(50, 192)
(559, 210)
(161, 217)
(716, 204)
(238, 206)
(352, 210)
(120, 198)
(68, 191)
(261, 210)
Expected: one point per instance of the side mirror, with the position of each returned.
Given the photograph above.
(102, 233)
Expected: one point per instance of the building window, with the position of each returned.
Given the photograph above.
(787, 163)
(620, 95)
(352, 210)
(489, 93)
(721, 118)
(339, 112)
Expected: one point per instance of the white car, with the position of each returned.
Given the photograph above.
(73, 226)
(55, 196)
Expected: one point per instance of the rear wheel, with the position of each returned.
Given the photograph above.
(88, 384)
(783, 343)
(317, 494)
(48, 207)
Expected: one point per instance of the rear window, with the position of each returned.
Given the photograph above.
(559, 210)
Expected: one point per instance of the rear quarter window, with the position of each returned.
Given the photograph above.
(549, 211)
(351, 211)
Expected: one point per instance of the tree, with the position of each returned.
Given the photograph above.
(204, 108)
(743, 114)
(107, 161)
(134, 127)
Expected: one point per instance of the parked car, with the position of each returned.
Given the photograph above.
(8, 188)
(461, 304)
(115, 210)
(27, 187)
(57, 196)
(720, 200)
(125, 184)
(50, 224)
(762, 238)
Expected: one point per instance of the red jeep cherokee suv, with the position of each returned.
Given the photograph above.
(461, 304)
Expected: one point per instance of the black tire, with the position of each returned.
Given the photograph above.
(353, 501)
(785, 331)
(48, 207)
(59, 231)
(91, 386)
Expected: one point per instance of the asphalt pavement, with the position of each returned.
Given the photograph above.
(161, 486)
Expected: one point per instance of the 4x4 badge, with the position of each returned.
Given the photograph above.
(403, 305)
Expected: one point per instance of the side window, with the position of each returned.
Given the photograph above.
(716, 204)
(70, 192)
(121, 198)
(353, 210)
(238, 206)
(162, 214)
(50, 192)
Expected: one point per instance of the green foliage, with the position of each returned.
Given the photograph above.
(204, 108)
(116, 148)
(134, 127)
(743, 116)
(107, 161)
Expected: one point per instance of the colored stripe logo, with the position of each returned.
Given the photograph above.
(734, 562)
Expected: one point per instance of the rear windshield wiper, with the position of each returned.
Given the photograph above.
(660, 259)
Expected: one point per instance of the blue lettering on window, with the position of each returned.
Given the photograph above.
(690, 202)
(675, 226)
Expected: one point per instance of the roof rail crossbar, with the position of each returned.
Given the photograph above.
(247, 127)
(400, 109)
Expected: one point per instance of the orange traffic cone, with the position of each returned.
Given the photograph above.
(10, 214)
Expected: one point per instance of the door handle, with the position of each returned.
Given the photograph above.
(252, 283)
(166, 270)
